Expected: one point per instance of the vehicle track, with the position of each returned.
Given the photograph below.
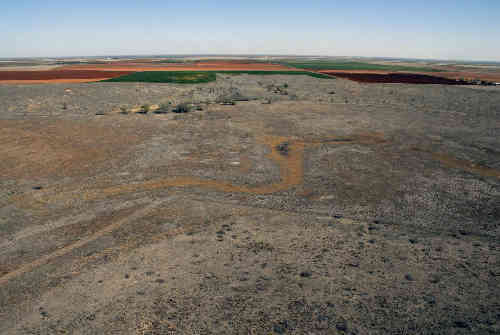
(60, 252)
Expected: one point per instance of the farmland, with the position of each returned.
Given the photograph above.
(356, 66)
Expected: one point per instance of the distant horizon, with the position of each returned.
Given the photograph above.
(184, 55)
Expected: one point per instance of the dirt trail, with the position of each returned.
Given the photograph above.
(291, 174)
(290, 164)
(60, 252)
(452, 162)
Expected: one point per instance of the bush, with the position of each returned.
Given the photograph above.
(162, 109)
(182, 108)
(144, 109)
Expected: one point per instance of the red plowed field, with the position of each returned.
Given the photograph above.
(405, 78)
(59, 74)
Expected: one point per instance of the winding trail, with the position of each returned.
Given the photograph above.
(60, 252)
(291, 174)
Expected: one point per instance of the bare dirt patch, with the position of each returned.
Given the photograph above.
(61, 148)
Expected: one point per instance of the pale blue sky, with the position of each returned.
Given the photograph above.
(442, 29)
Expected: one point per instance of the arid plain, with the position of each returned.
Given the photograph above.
(303, 206)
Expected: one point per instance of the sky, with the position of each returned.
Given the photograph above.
(439, 29)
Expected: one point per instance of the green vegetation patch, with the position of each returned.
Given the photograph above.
(337, 65)
(174, 77)
(197, 77)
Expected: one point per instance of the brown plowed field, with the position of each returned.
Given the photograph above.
(59, 75)
(380, 77)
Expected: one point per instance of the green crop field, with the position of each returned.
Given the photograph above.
(174, 77)
(337, 65)
(197, 77)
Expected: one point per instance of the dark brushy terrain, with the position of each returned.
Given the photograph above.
(277, 205)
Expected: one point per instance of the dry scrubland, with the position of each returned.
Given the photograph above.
(315, 207)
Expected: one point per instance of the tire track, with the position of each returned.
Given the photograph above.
(47, 258)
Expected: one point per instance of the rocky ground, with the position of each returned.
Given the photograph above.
(310, 206)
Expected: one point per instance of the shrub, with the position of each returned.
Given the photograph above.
(162, 109)
(182, 108)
